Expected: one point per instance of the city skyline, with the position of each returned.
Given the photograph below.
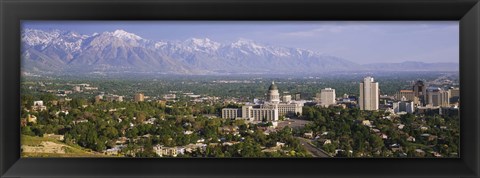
(239, 89)
(217, 118)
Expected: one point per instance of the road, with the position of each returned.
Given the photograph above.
(300, 123)
(316, 152)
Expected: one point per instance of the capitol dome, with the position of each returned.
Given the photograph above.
(273, 86)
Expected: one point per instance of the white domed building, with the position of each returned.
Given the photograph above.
(273, 95)
(271, 110)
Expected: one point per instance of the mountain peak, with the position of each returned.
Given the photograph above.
(125, 35)
(120, 50)
(204, 43)
(246, 42)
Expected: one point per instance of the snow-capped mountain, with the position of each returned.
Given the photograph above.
(121, 51)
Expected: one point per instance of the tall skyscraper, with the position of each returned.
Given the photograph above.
(454, 94)
(369, 94)
(327, 97)
(420, 91)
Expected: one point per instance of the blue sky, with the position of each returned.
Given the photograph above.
(359, 41)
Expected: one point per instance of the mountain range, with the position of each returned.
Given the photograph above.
(56, 51)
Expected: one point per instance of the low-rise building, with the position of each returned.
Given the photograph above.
(269, 110)
(403, 106)
(111, 98)
(231, 113)
(165, 151)
(407, 94)
(38, 106)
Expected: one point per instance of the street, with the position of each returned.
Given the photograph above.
(316, 152)
(299, 123)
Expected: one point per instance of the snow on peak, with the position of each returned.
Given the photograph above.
(159, 44)
(202, 44)
(206, 42)
(35, 37)
(247, 42)
(125, 35)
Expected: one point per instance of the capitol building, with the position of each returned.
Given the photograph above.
(270, 110)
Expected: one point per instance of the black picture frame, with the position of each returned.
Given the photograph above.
(13, 11)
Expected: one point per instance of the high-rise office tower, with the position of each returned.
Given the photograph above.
(369, 94)
(327, 97)
(420, 91)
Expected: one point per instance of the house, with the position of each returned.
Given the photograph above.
(192, 147)
(411, 139)
(338, 150)
(150, 121)
(280, 144)
(115, 150)
(423, 128)
(325, 141)
(419, 152)
(382, 135)
(396, 147)
(38, 106)
(63, 112)
(308, 135)
(435, 154)
(229, 143)
(31, 118)
(200, 140)
(38, 103)
(228, 129)
(432, 137)
(80, 121)
(367, 123)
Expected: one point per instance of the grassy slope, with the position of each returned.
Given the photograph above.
(71, 150)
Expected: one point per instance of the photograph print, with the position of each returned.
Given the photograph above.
(230, 89)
